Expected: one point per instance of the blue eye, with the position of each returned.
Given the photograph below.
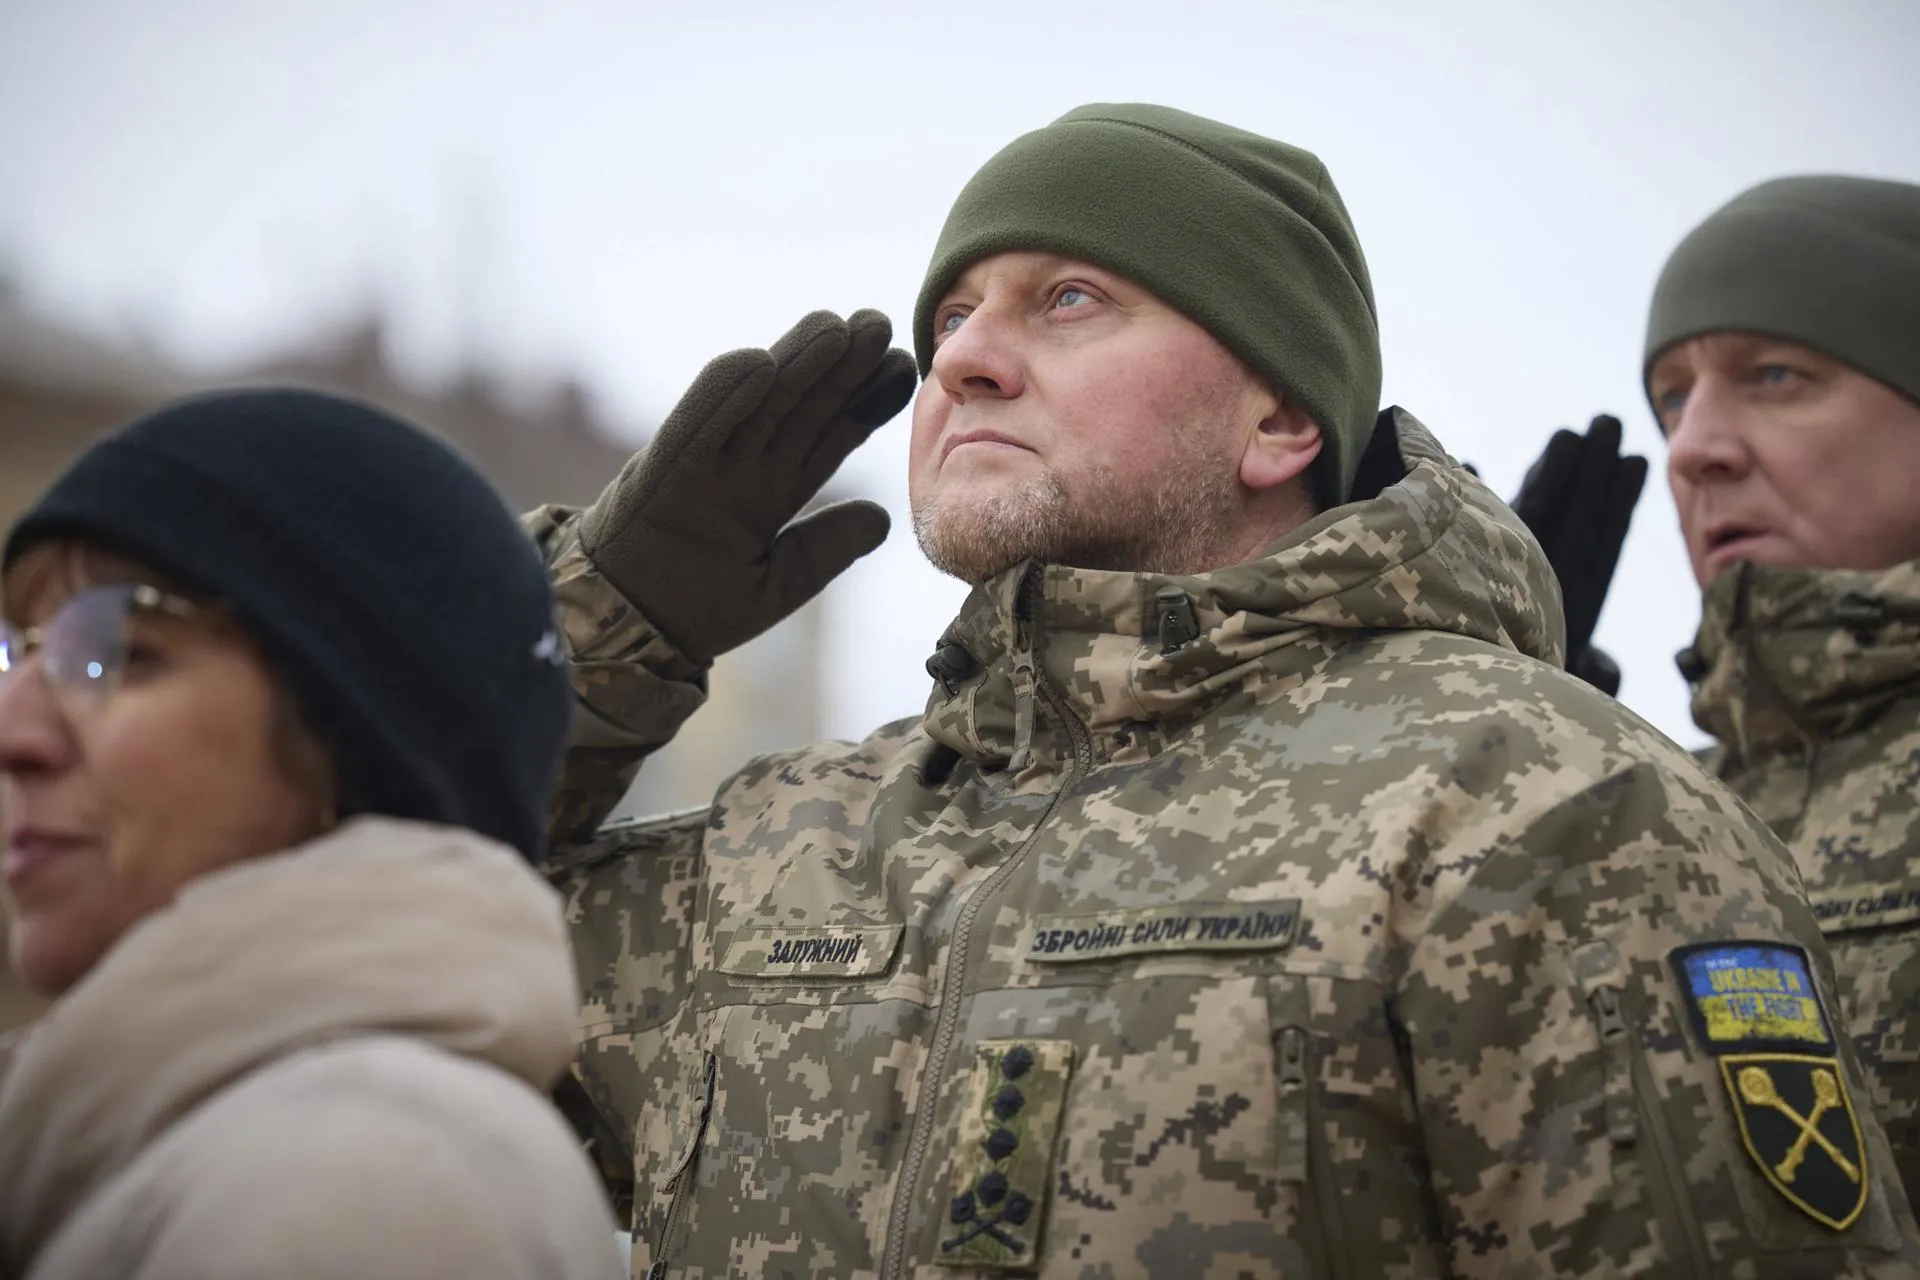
(1071, 296)
(1776, 373)
(951, 321)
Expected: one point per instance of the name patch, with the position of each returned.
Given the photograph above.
(1751, 995)
(1842, 910)
(825, 951)
(1219, 926)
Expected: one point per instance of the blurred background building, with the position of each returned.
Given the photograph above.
(60, 387)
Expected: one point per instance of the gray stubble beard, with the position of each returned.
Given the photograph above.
(1183, 527)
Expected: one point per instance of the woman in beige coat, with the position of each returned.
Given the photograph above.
(280, 705)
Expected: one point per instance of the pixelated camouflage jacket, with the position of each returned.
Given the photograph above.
(1810, 682)
(1295, 919)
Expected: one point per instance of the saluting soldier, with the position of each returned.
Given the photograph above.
(1255, 895)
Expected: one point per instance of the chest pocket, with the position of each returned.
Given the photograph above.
(789, 1045)
(1217, 1103)
(824, 922)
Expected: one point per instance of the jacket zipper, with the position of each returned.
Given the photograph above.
(681, 1184)
(1615, 1030)
(893, 1261)
(1669, 1161)
(1296, 1119)
(1616, 1048)
(1305, 1161)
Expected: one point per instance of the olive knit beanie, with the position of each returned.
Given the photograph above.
(1830, 262)
(1245, 235)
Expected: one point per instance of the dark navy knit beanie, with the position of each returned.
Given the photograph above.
(384, 577)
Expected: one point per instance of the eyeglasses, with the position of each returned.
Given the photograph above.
(84, 648)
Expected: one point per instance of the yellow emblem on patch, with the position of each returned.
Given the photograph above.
(1797, 1122)
(1757, 1010)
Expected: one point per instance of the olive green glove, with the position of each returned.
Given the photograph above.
(698, 529)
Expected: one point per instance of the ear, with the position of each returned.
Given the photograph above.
(1280, 448)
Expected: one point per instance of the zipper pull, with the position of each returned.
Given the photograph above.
(1293, 1059)
(1616, 1043)
(1025, 682)
(1294, 1138)
(1606, 1011)
(1024, 692)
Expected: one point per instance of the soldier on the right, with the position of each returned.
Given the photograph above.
(1783, 363)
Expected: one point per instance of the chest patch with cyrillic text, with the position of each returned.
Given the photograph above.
(1843, 910)
(1219, 926)
(826, 951)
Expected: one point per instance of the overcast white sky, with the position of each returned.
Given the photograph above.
(623, 190)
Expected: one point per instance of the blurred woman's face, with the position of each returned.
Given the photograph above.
(143, 742)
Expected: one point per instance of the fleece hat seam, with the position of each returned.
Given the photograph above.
(1306, 215)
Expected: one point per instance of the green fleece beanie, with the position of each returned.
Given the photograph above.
(1832, 263)
(1245, 235)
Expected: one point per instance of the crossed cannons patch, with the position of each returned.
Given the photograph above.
(1759, 1014)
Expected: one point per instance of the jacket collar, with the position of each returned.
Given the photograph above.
(1787, 655)
(1043, 655)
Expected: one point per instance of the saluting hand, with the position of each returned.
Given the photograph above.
(698, 530)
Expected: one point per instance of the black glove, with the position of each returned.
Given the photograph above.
(1578, 500)
(698, 529)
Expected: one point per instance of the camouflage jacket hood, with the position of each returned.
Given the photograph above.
(1802, 655)
(1433, 551)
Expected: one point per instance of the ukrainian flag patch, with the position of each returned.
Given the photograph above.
(1752, 995)
(1758, 1012)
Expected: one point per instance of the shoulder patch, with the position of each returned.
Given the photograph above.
(1745, 996)
(1758, 1012)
